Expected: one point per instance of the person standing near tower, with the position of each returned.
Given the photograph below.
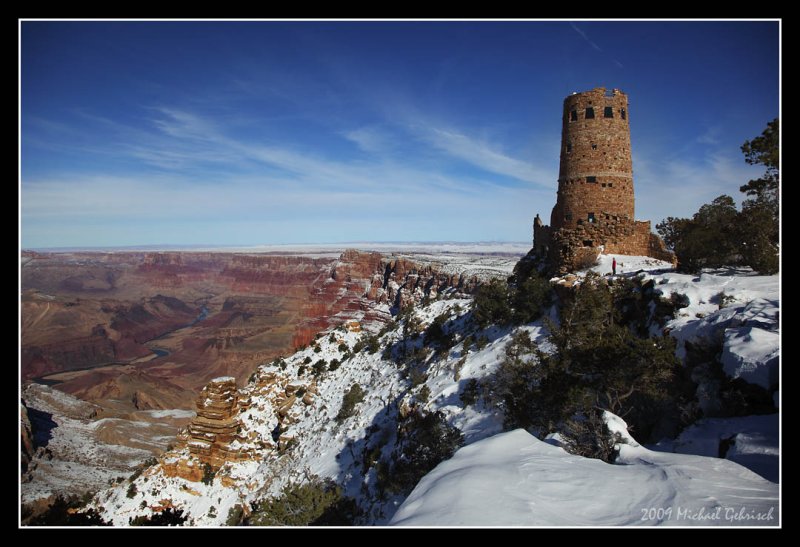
(614, 266)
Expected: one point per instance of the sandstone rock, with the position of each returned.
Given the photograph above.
(228, 482)
(162, 505)
(283, 410)
(212, 437)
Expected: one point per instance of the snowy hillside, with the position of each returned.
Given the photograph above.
(515, 479)
(321, 446)
(292, 427)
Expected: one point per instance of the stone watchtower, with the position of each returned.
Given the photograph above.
(594, 208)
(596, 171)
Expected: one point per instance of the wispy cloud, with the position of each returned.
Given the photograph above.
(593, 44)
(710, 137)
(586, 38)
(261, 183)
(368, 139)
(681, 186)
(482, 155)
(198, 140)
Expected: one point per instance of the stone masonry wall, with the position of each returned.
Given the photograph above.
(596, 171)
(595, 201)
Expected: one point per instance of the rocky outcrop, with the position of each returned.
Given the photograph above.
(405, 282)
(215, 435)
(359, 279)
(26, 442)
(211, 433)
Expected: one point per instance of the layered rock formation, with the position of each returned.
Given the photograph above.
(214, 437)
(359, 279)
(207, 314)
(211, 432)
(66, 333)
(214, 427)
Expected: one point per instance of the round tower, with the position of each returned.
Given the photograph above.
(595, 179)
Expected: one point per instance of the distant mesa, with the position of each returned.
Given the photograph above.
(594, 210)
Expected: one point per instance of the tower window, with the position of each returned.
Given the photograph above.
(588, 243)
(589, 113)
(622, 113)
(608, 112)
(604, 185)
(569, 147)
(594, 146)
(591, 218)
(573, 116)
(568, 216)
(591, 178)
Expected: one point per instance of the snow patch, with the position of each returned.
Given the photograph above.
(751, 353)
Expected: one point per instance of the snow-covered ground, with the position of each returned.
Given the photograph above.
(752, 441)
(736, 306)
(497, 478)
(628, 264)
(322, 446)
(482, 265)
(514, 479)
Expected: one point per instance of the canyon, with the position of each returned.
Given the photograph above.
(136, 335)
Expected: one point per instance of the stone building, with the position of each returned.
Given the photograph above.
(594, 209)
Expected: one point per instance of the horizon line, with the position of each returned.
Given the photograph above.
(264, 246)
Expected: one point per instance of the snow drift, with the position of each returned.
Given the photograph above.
(514, 479)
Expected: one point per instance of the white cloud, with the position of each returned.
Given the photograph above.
(368, 139)
(678, 187)
(478, 153)
(593, 44)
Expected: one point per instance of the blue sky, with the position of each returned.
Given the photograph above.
(246, 133)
